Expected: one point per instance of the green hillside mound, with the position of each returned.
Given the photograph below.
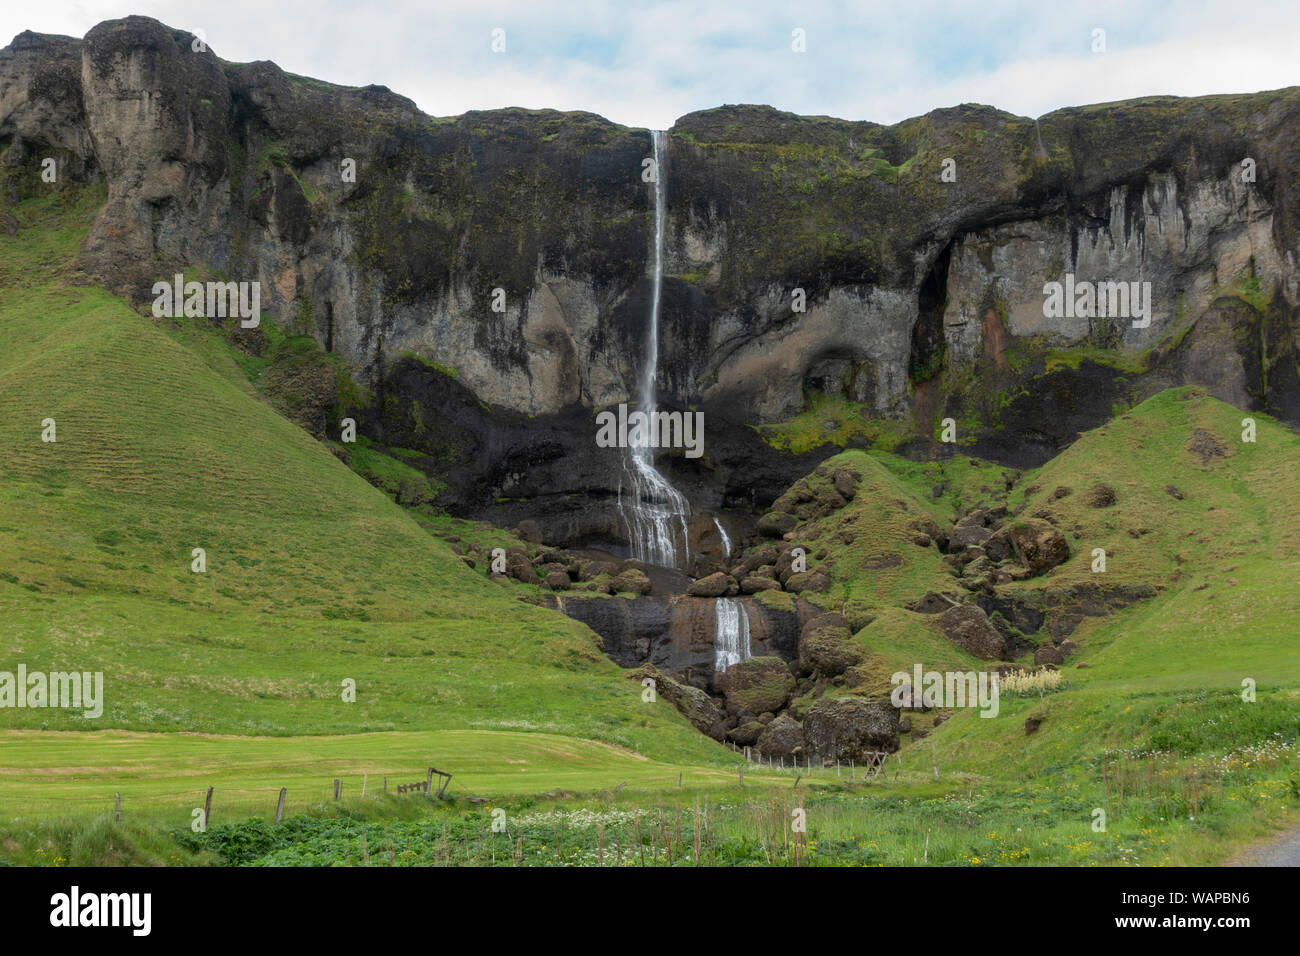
(313, 576)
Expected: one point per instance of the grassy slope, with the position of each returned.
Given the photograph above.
(313, 576)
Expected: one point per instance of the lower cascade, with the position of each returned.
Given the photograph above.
(731, 643)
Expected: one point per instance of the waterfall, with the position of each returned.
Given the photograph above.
(731, 642)
(655, 511)
(726, 542)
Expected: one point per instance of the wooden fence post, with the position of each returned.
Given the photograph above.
(279, 807)
(338, 788)
(364, 777)
(117, 804)
(385, 785)
(207, 808)
(428, 783)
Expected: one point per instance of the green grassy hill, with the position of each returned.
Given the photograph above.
(313, 576)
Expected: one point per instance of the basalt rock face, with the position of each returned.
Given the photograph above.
(802, 254)
(677, 634)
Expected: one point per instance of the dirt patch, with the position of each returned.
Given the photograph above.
(1205, 446)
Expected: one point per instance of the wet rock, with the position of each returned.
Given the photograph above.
(968, 627)
(847, 728)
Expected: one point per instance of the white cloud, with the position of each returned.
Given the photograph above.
(647, 63)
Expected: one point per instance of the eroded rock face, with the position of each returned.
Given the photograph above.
(847, 728)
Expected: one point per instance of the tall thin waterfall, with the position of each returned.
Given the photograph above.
(655, 511)
(726, 542)
(731, 641)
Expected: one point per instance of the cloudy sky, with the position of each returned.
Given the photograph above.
(646, 63)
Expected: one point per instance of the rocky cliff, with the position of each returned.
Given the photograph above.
(920, 251)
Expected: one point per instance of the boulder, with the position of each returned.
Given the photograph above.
(756, 685)
(693, 704)
(1099, 496)
(745, 734)
(715, 585)
(776, 524)
(968, 627)
(632, 580)
(783, 737)
(754, 583)
(557, 581)
(816, 580)
(826, 646)
(847, 728)
(1047, 655)
(846, 483)
(1038, 544)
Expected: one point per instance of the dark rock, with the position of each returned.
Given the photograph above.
(776, 524)
(826, 646)
(847, 728)
(1099, 496)
(1048, 655)
(968, 627)
(783, 737)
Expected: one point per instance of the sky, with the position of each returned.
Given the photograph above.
(645, 64)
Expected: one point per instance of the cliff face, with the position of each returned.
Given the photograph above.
(924, 296)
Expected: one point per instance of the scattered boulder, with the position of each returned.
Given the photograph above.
(558, 581)
(1048, 655)
(783, 737)
(1038, 544)
(746, 734)
(776, 524)
(693, 704)
(631, 580)
(756, 685)
(934, 603)
(1099, 496)
(715, 585)
(826, 646)
(1174, 492)
(847, 728)
(815, 580)
(846, 483)
(969, 628)
(1032, 723)
(753, 584)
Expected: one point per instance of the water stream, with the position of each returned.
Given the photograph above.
(731, 643)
